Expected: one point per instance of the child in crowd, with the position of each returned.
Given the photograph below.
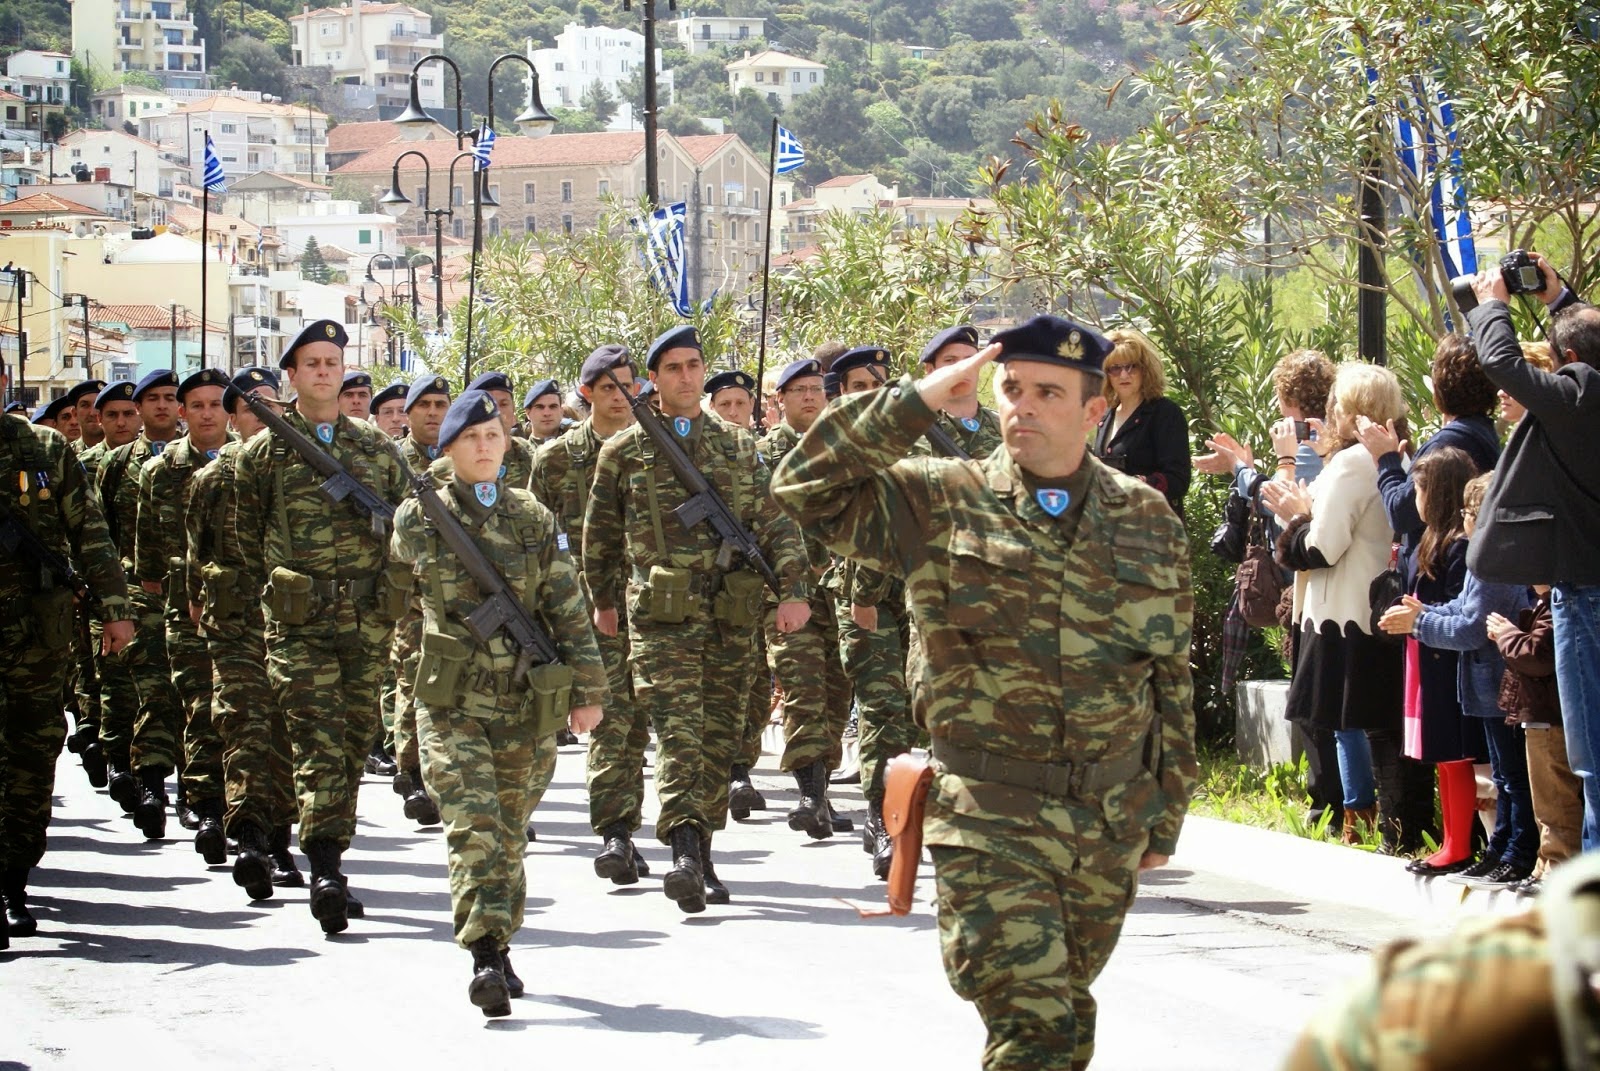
(1529, 698)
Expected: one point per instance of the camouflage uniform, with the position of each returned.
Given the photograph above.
(324, 658)
(1048, 642)
(158, 556)
(479, 742)
(33, 662)
(978, 440)
(224, 578)
(408, 635)
(563, 472)
(691, 677)
(875, 663)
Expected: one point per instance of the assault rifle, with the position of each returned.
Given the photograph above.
(17, 538)
(704, 505)
(946, 446)
(500, 610)
(338, 485)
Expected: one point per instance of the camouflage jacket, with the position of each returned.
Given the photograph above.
(164, 486)
(62, 512)
(1037, 645)
(91, 459)
(518, 536)
(296, 526)
(514, 469)
(215, 534)
(563, 473)
(117, 482)
(628, 526)
(978, 441)
(418, 458)
(775, 446)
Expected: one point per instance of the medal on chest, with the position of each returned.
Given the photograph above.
(1053, 500)
(682, 425)
(970, 423)
(488, 493)
(325, 433)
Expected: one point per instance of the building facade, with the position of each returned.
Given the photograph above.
(128, 104)
(701, 33)
(777, 76)
(39, 78)
(112, 37)
(585, 55)
(250, 136)
(372, 45)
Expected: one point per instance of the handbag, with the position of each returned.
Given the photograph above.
(1229, 540)
(1259, 582)
(1384, 591)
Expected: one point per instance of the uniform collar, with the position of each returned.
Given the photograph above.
(1007, 480)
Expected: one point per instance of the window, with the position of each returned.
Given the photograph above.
(364, 236)
(377, 53)
(458, 228)
(744, 33)
(757, 235)
(794, 77)
(813, 77)
(566, 190)
(705, 31)
(733, 230)
(761, 76)
(529, 190)
(566, 224)
(530, 225)
(560, 66)
(783, 199)
(494, 226)
(456, 198)
(421, 199)
(229, 128)
(422, 225)
(603, 189)
(494, 192)
(757, 194)
(711, 194)
(76, 153)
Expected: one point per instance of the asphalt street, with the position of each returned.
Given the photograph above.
(145, 954)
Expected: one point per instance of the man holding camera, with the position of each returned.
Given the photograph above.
(1540, 522)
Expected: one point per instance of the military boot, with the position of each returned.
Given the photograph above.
(284, 873)
(327, 887)
(209, 840)
(742, 795)
(685, 882)
(352, 907)
(419, 806)
(488, 989)
(402, 782)
(85, 743)
(640, 867)
(252, 868)
(716, 892)
(837, 821)
(19, 921)
(615, 861)
(188, 817)
(121, 785)
(150, 814)
(882, 847)
(379, 761)
(566, 738)
(810, 815)
(513, 983)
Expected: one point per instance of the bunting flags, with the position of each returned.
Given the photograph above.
(213, 180)
(662, 231)
(791, 156)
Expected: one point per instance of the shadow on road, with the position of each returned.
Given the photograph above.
(656, 1019)
(1169, 905)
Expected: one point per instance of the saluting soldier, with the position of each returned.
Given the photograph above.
(156, 723)
(389, 410)
(331, 599)
(46, 495)
(563, 473)
(158, 558)
(542, 412)
(224, 570)
(480, 724)
(1052, 595)
(355, 395)
(974, 427)
(691, 625)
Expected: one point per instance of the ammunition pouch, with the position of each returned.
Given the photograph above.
(549, 698)
(395, 586)
(441, 664)
(666, 595)
(177, 587)
(220, 598)
(741, 601)
(291, 597)
(53, 625)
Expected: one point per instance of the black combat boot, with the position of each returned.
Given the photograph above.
(252, 868)
(419, 807)
(810, 815)
(150, 814)
(716, 892)
(533, 834)
(838, 822)
(85, 743)
(188, 817)
(615, 861)
(488, 989)
(121, 785)
(640, 867)
(379, 761)
(19, 920)
(402, 782)
(685, 882)
(513, 983)
(742, 795)
(566, 738)
(882, 847)
(353, 908)
(284, 873)
(209, 840)
(327, 887)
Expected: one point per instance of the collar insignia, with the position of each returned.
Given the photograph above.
(1053, 500)
(325, 433)
(682, 425)
(488, 493)
(970, 423)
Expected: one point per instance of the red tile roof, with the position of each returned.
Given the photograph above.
(841, 180)
(704, 146)
(556, 150)
(366, 9)
(46, 204)
(140, 317)
(359, 137)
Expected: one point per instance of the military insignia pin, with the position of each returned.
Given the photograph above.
(330, 331)
(256, 376)
(502, 472)
(488, 493)
(970, 423)
(211, 455)
(1053, 500)
(488, 405)
(682, 426)
(1072, 348)
(156, 448)
(432, 452)
(325, 432)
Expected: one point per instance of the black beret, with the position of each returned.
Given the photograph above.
(90, 387)
(246, 380)
(425, 385)
(491, 381)
(317, 331)
(162, 378)
(859, 357)
(395, 391)
(49, 410)
(16, 407)
(735, 378)
(539, 390)
(355, 381)
(1054, 340)
(473, 407)
(806, 366)
(206, 377)
(682, 337)
(603, 359)
(120, 391)
(960, 333)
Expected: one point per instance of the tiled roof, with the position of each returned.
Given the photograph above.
(842, 180)
(140, 317)
(556, 150)
(45, 204)
(773, 58)
(704, 146)
(221, 102)
(366, 9)
(359, 137)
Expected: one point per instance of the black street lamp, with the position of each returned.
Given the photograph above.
(652, 164)
(394, 203)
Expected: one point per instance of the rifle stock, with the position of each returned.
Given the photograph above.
(946, 446)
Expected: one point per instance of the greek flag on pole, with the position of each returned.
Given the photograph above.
(790, 154)
(482, 148)
(213, 179)
(663, 254)
(1425, 133)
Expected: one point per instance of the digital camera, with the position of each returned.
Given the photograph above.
(1521, 274)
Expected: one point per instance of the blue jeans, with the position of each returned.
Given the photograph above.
(1575, 613)
(1355, 769)
(1516, 834)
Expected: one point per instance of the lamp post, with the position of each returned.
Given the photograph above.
(652, 164)
(394, 203)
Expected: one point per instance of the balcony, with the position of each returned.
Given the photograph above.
(302, 138)
(715, 38)
(259, 139)
(403, 35)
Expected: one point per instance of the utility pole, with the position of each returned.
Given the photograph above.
(652, 162)
(174, 311)
(19, 283)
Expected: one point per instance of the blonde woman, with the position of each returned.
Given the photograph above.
(1144, 433)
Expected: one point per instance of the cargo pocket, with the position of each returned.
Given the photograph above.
(219, 593)
(290, 598)
(667, 595)
(741, 601)
(395, 585)
(177, 587)
(549, 698)
(989, 582)
(1145, 617)
(440, 665)
(52, 618)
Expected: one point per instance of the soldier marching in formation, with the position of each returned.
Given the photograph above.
(362, 579)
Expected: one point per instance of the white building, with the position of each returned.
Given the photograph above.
(702, 33)
(159, 36)
(39, 77)
(776, 75)
(373, 45)
(585, 55)
(127, 159)
(250, 136)
(337, 223)
(128, 104)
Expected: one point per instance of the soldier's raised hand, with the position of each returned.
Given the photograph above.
(959, 380)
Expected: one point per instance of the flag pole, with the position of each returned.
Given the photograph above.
(766, 273)
(205, 260)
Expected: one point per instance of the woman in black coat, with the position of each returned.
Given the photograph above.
(1144, 433)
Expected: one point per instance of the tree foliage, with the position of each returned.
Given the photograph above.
(312, 264)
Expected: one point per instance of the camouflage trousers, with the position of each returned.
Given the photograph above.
(479, 769)
(85, 679)
(158, 723)
(404, 652)
(32, 732)
(760, 706)
(692, 679)
(192, 678)
(386, 705)
(327, 675)
(1024, 944)
(816, 693)
(615, 765)
(257, 768)
(117, 700)
(875, 664)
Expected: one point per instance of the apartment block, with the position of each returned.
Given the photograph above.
(375, 46)
(159, 36)
(701, 33)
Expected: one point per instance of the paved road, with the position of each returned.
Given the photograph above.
(145, 953)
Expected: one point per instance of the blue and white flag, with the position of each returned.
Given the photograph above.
(663, 254)
(482, 148)
(791, 156)
(213, 179)
(1429, 151)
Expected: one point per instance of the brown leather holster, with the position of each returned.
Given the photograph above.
(905, 802)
